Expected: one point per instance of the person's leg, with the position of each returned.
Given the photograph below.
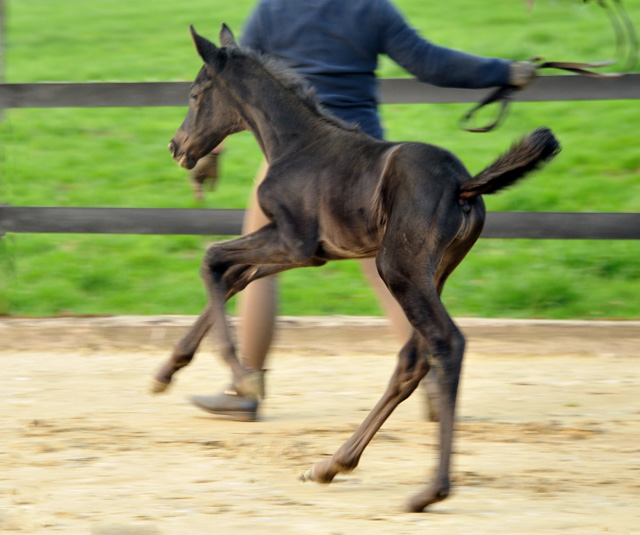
(257, 306)
(257, 303)
(399, 322)
(402, 329)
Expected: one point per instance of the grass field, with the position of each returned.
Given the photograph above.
(118, 157)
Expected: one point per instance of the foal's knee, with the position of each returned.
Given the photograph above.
(212, 264)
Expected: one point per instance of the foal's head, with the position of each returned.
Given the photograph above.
(212, 115)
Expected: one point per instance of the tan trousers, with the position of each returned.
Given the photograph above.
(257, 304)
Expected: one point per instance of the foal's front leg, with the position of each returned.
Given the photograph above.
(224, 271)
(227, 269)
(236, 279)
(183, 351)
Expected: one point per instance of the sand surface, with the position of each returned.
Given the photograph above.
(548, 434)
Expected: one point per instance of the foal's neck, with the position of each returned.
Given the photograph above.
(277, 117)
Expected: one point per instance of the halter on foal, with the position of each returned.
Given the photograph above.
(332, 192)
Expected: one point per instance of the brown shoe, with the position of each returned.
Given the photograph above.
(229, 404)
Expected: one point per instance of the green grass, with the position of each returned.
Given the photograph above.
(118, 157)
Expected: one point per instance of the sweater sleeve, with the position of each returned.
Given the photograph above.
(435, 64)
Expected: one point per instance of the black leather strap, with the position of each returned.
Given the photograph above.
(627, 52)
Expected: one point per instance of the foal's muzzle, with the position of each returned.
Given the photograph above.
(183, 158)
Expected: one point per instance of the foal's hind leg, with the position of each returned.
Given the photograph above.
(418, 295)
(436, 335)
(411, 368)
(446, 343)
(410, 273)
(474, 221)
(446, 347)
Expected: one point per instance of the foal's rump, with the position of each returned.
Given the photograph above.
(430, 202)
(437, 169)
(419, 178)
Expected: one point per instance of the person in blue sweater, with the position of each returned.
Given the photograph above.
(335, 46)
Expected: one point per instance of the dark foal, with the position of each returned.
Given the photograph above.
(332, 192)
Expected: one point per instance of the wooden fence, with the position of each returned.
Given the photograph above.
(537, 225)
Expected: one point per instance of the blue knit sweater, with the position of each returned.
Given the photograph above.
(335, 45)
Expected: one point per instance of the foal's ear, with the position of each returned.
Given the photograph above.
(226, 36)
(207, 50)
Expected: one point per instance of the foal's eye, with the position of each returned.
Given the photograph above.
(193, 96)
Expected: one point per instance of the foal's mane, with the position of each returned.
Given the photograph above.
(295, 83)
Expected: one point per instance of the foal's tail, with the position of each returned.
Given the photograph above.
(527, 155)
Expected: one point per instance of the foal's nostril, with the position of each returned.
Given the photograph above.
(172, 148)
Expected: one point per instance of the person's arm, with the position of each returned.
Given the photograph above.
(207, 169)
(443, 66)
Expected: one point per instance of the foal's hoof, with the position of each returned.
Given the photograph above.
(415, 505)
(421, 501)
(307, 476)
(323, 472)
(157, 387)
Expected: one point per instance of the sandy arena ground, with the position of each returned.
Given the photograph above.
(548, 435)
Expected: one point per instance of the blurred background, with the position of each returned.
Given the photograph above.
(117, 157)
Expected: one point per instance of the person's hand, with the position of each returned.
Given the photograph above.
(206, 170)
(521, 73)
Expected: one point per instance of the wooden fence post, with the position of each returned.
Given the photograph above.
(1, 81)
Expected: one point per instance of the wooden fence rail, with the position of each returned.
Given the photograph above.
(529, 225)
(392, 91)
(542, 225)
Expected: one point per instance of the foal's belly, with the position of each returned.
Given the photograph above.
(348, 229)
(337, 245)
